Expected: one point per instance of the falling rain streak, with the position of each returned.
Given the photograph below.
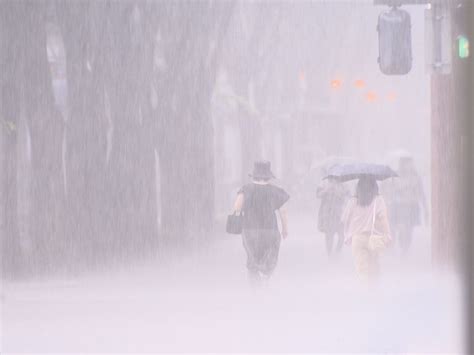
(322, 135)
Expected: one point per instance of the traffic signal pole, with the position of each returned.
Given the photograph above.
(469, 180)
(452, 135)
(450, 118)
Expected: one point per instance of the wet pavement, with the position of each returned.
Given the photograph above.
(203, 303)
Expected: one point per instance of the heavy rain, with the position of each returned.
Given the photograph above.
(206, 176)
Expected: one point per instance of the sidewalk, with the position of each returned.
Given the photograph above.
(203, 304)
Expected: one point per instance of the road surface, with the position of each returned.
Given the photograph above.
(203, 303)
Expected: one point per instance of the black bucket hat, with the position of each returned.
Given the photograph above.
(262, 170)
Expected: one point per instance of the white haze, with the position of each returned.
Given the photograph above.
(199, 300)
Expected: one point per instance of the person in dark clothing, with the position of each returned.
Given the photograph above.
(258, 202)
(406, 196)
(333, 195)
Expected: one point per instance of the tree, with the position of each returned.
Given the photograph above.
(111, 127)
(46, 129)
(131, 172)
(27, 91)
(84, 33)
(111, 178)
(9, 116)
(249, 58)
(192, 36)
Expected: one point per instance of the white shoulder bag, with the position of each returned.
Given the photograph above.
(377, 243)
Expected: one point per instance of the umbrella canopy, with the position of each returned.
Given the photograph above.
(321, 167)
(346, 172)
(393, 157)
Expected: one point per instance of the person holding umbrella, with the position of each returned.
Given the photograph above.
(365, 217)
(258, 203)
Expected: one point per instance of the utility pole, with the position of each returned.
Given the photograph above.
(465, 28)
(450, 142)
(469, 178)
(443, 155)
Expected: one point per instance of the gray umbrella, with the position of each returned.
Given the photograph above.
(346, 172)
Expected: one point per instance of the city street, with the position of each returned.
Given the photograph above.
(203, 303)
(139, 138)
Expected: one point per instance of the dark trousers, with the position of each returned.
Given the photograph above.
(329, 236)
(262, 247)
(404, 234)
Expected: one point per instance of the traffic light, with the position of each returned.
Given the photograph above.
(394, 29)
(336, 83)
(391, 96)
(371, 96)
(463, 47)
(359, 83)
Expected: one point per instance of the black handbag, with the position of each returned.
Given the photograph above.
(234, 223)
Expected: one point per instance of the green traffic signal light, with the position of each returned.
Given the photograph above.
(463, 47)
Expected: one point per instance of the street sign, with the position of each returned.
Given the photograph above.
(394, 29)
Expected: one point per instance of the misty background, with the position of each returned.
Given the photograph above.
(128, 128)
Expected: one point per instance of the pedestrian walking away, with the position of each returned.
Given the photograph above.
(333, 195)
(258, 203)
(366, 227)
(405, 198)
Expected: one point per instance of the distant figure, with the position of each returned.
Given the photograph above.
(333, 195)
(406, 196)
(365, 215)
(258, 201)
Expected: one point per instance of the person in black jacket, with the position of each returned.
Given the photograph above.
(258, 202)
(333, 195)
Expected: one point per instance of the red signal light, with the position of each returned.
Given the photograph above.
(371, 96)
(336, 83)
(359, 83)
